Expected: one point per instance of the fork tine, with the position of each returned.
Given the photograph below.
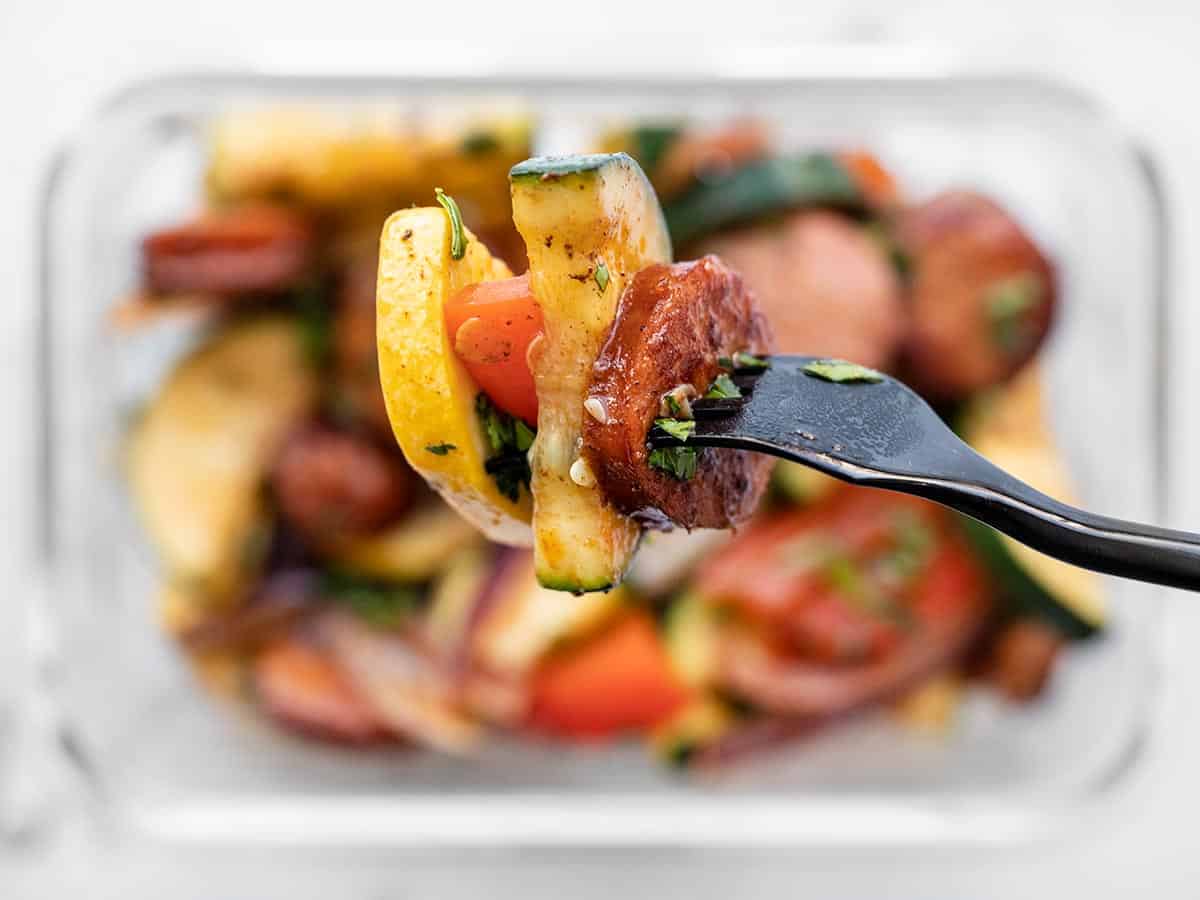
(718, 409)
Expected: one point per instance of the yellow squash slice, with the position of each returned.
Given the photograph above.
(430, 397)
(198, 457)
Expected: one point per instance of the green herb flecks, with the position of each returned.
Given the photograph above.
(842, 372)
(509, 440)
(479, 143)
(649, 143)
(510, 472)
(853, 586)
(315, 320)
(601, 276)
(722, 388)
(1008, 303)
(379, 604)
(523, 435)
(679, 462)
(677, 402)
(748, 361)
(458, 236)
(914, 545)
(440, 449)
(680, 429)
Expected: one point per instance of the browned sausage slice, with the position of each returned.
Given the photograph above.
(982, 295)
(328, 483)
(825, 286)
(1022, 658)
(672, 324)
(245, 251)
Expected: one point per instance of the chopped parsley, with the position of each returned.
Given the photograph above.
(842, 372)
(379, 604)
(315, 319)
(722, 388)
(914, 545)
(601, 276)
(523, 435)
(650, 142)
(509, 440)
(844, 576)
(440, 449)
(510, 472)
(1008, 301)
(679, 462)
(680, 429)
(458, 236)
(479, 143)
(677, 402)
(744, 360)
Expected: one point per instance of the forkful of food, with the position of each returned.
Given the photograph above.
(610, 390)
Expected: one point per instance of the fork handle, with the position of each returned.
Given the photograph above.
(985, 492)
(1101, 543)
(979, 489)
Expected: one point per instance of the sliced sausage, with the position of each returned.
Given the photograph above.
(1023, 657)
(672, 324)
(329, 484)
(825, 286)
(983, 295)
(251, 250)
(834, 582)
(304, 688)
(950, 607)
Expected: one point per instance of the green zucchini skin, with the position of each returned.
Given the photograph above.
(574, 212)
(550, 167)
(1026, 594)
(762, 188)
(650, 143)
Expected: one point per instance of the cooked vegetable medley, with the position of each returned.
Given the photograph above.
(283, 469)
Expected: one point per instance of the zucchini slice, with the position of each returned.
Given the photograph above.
(528, 620)
(413, 550)
(691, 637)
(700, 723)
(198, 457)
(759, 189)
(800, 484)
(590, 223)
(647, 142)
(429, 394)
(1009, 428)
(367, 158)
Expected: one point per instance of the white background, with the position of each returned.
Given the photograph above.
(59, 60)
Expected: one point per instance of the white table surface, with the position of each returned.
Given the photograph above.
(59, 60)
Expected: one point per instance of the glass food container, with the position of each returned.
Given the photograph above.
(164, 759)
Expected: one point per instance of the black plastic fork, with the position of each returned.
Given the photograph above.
(879, 433)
